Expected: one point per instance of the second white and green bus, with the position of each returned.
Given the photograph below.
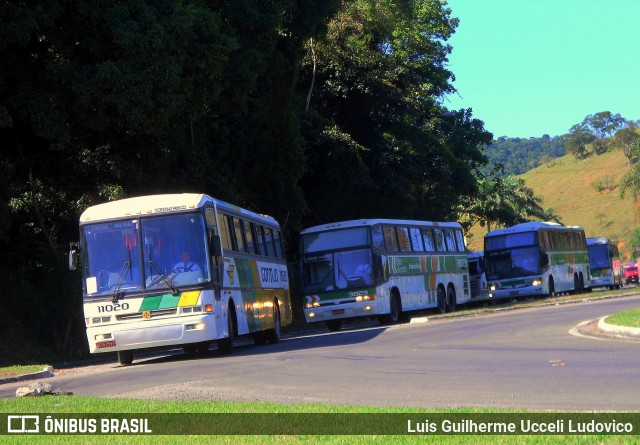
(382, 267)
(179, 270)
(536, 259)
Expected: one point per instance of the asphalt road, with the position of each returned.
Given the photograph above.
(517, 359)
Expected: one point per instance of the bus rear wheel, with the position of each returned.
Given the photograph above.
(125, 357)
(451, 299)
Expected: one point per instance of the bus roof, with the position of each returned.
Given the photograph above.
(532, 226)
(594, 241)
(371, 222)
(162, 204)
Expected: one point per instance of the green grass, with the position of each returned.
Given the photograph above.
(88, 405)
(16, 370)
(629, 318)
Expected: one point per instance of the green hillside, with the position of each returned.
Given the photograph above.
(566, 186)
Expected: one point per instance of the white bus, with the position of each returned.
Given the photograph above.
(382, 267)
(179, 269)
(536, 259)
(604, 259)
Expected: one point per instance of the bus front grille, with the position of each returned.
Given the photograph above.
(156, 313)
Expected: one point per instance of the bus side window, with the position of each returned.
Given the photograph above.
(460, 240)
(225, 232)
(378, 237)
(239, 231)
(427, 237)
(248, 235)
(277, 240)
(390, 238)
(450, 240)
(439, 236)
(403, 239)
(268, 239)
(260, 240)
(416, 239)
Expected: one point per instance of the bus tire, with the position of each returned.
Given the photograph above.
(225, 345)
(273, 335)
(442, 300)
(125, 357)
(576, 284)
(394, 310)
(334, 325)
(451, 299)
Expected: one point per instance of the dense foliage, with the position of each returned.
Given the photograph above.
(311, 111)
(519, 155)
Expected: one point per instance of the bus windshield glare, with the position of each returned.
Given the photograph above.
(340, 270)
(140, 254)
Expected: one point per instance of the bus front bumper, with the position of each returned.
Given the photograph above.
(151, 333)
(506, 293)
(341, 311)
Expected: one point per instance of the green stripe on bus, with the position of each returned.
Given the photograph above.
(150, 303)
(169, 301)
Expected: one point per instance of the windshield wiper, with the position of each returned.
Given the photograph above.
(162, 277)
(117, 295)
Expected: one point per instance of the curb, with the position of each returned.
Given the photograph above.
(626, 331)
(26, 377)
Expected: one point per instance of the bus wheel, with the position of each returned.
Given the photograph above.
(451, 299)
(225, 345)
(394, 308)
(442, 300)
(576, 284)
(581, 284)
(125, 357)
(334, 325)
(552, 289)
(273, 335)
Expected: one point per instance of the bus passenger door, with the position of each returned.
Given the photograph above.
(216, 261)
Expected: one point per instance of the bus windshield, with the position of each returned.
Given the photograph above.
(145, 253)
(513, 263)
(599, 257)
(340, 270)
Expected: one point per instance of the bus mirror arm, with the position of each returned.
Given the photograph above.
(74, 251)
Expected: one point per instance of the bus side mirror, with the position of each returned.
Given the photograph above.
(74, 251)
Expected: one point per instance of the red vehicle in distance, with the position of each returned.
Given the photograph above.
(631, 273)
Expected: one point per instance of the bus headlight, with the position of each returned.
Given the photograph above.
(312, 305)
(536, 282)
(493, 286)
(360, 298)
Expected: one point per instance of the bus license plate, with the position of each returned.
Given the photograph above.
(106, 344)
(337, 311)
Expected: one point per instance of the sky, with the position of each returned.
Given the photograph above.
(534, 67)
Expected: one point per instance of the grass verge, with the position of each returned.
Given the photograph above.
(630, 318)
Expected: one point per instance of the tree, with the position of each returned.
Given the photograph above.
(628, 139)
(593, 134)
(503, 201)
(378, 78)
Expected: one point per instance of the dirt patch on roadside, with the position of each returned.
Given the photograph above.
(590, 329)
